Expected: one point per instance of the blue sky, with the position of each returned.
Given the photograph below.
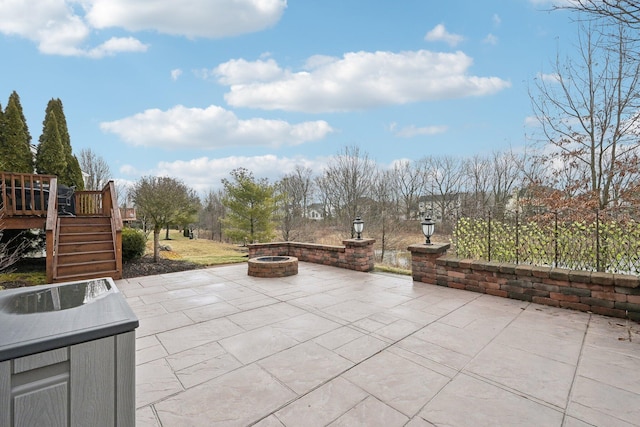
(196, 88)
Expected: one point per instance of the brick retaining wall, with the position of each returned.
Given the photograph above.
(616, 295)
(354, 255)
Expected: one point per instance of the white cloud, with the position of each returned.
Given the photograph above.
(357, 81)
(411, 131)
(64, 27)
(175, 74)
(549, 77)
(191, 18)
(205, 173)
(496, 20)
(439, 33)
(490, 39)
(209, 128)
(117, 45)
(238, 71)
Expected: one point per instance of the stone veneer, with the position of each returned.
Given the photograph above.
(356, 254)
(616, 295)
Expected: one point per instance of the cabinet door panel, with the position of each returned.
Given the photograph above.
(46, 406)
(92, 383)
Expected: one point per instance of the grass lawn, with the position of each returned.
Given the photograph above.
(198, 251)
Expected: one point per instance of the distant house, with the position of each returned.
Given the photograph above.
(315, 211)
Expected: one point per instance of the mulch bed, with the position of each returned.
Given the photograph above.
(141, 267)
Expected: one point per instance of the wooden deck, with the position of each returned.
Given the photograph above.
(83, 229)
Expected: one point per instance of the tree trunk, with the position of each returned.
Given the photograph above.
(156, 244)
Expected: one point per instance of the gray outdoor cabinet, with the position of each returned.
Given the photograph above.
(67, 356)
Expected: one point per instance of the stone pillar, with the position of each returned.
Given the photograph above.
(358, 254)
(423, 261)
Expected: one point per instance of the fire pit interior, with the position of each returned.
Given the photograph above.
(273, 266)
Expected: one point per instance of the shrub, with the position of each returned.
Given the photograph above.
(134, 243)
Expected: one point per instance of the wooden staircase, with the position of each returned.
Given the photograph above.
(85, 249)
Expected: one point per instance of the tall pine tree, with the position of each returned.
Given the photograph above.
(72, 174)
(15, 149)
(50, 158)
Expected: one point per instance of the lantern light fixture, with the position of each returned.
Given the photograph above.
(428, 227)
(358, 226)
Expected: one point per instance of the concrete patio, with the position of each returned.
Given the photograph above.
(341, 348)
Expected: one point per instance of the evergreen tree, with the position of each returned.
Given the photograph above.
(251, 205)
(50, 158)
(72, 175)
(15, 150)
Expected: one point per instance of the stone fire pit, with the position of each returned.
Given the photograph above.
(273, 266)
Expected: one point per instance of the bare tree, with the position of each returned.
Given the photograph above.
(348, 178)
(212, 213)
(506, 175)
(589, 114)
(408, 181)
(383, 220)
(626, 12)
(12, 248)
(294, 190)
(447, 179)
(97, 169)
(478, 179)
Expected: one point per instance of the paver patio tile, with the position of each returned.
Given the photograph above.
(603, 405)
(146, 418)
(149, 310)
(398, 382)
(210, 312)
(148, 354)
(305, 366)
(469, 401)
(351, 310)
(536, 376)
(270, 421)
(161, 323)
(338, 337)
(615, 369)
(398, 330)
(238, 398)
(367, 324)
(361, 348)
(322, 405)
(371, 413)
(305, 326)
(195, 355)
(254, 318)
(169, 295)
(211, 368)
(459, 340)
(257, 343)
(189, 302)
(563, 346)
(191, 336)
(154, 381)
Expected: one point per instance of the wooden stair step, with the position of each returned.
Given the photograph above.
(86, 256)
(92, 275)
(84, 237)
(74, 268)
(73, 247)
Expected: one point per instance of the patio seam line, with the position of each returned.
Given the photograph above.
(389, 345)
(575, 372)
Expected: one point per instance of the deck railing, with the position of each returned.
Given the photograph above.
(24, 194)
